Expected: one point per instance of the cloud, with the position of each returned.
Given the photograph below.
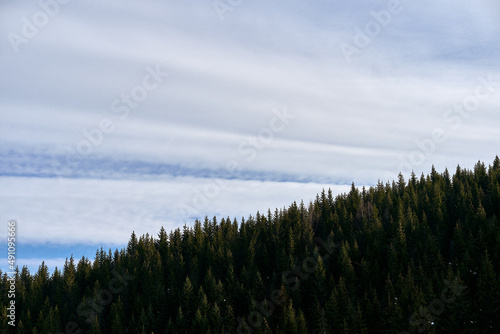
(101, 211)
(352, 121)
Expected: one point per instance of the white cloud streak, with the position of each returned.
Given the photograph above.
(92, 211)
(353, 122)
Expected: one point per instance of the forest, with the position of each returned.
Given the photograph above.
(409, 256)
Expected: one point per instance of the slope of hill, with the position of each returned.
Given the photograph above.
(417, 256)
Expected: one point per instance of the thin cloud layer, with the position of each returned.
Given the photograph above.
(103, 211)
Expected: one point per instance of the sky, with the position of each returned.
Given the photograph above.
(123, 116)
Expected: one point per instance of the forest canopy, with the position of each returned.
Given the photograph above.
(412, 256)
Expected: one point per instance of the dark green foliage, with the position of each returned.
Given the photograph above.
(421, 256)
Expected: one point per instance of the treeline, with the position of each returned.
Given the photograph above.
(416, 256)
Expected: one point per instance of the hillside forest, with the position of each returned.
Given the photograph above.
(410, 256)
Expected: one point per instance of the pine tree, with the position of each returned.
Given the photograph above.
(400, 251)
(95, 329)
(488, 306)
